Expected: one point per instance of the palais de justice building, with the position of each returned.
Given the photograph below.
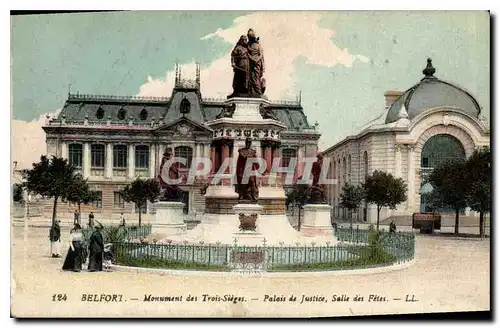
(430, 122)
(112, 140)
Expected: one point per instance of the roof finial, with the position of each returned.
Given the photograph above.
(429, 70)
(176, 73)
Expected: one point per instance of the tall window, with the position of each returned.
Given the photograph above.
(118, 200)
(184, 152)
(438, 149)
(98, 201)
(286, 155)
(141, 156)
(365, 165)
(349, 168)
(338, 175)
(97, 156)
(75, 154)
(344, 171)
(120, 156)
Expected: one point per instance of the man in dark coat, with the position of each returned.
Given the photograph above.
(96, 249)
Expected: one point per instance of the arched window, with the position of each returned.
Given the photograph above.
(338, 173)
(365, 165)
(122, 113)
(344, 171)
(184, 152)
(286, 155)
(75, 154)
(349, 169)
(141, 156)
(185, 106)
(100, 113)
(438, 149)
(97, 156)
(144, 114)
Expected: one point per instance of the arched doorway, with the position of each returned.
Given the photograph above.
(438, 149)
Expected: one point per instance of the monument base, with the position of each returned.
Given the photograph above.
(169, 219)
(248, 214)
(317, 221)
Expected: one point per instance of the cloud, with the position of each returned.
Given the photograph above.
(28, 141)
(284, 36)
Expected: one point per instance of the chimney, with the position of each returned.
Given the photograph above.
(390, 96)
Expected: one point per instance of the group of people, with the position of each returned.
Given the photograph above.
(77, 252)
(76, 218)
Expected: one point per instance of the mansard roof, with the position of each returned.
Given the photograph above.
(101, 109)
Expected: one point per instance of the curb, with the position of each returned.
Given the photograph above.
(297, 274)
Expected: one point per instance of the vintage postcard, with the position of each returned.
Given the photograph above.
(250, 164)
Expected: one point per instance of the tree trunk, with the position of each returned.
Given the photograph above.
(79, 213)
(140, 217)
(457, 213)
(481, 224)
(350, 215)
(54, 210)
(378, 216)
(298, 222)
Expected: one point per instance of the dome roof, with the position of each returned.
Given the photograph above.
(431, 92)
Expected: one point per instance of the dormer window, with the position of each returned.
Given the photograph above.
(185, 106)
(100, 113)
(121, 114)
(144, 114)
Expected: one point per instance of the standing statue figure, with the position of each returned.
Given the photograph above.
(250, 190)
(241, 67)
(257, 83)
(172, 193)
(317, 190)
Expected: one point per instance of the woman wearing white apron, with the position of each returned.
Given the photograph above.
(55, 239)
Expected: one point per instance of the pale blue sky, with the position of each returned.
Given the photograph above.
(114, 53)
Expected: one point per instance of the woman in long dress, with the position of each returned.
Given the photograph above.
(74, 259)
(55, 239)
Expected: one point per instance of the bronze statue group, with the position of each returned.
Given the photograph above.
(77, 252)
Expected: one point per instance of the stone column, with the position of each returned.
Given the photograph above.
(276, 153)
(152, 166)
(411, 177)
(64, 149)
(300, 165)
(206, 150)
(131, 161)
(267, 157)
(397, 161)
(199, 150)
(86, 160)
(225, 153)
(161, 149)
(258, 149)
(109, 161)
(212, 159)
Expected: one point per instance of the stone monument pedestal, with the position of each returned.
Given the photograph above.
(247, 230)
(169, 219)
(317, 221)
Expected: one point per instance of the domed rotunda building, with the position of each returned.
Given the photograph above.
(429, 123)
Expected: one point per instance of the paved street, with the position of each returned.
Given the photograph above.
(449, 274)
